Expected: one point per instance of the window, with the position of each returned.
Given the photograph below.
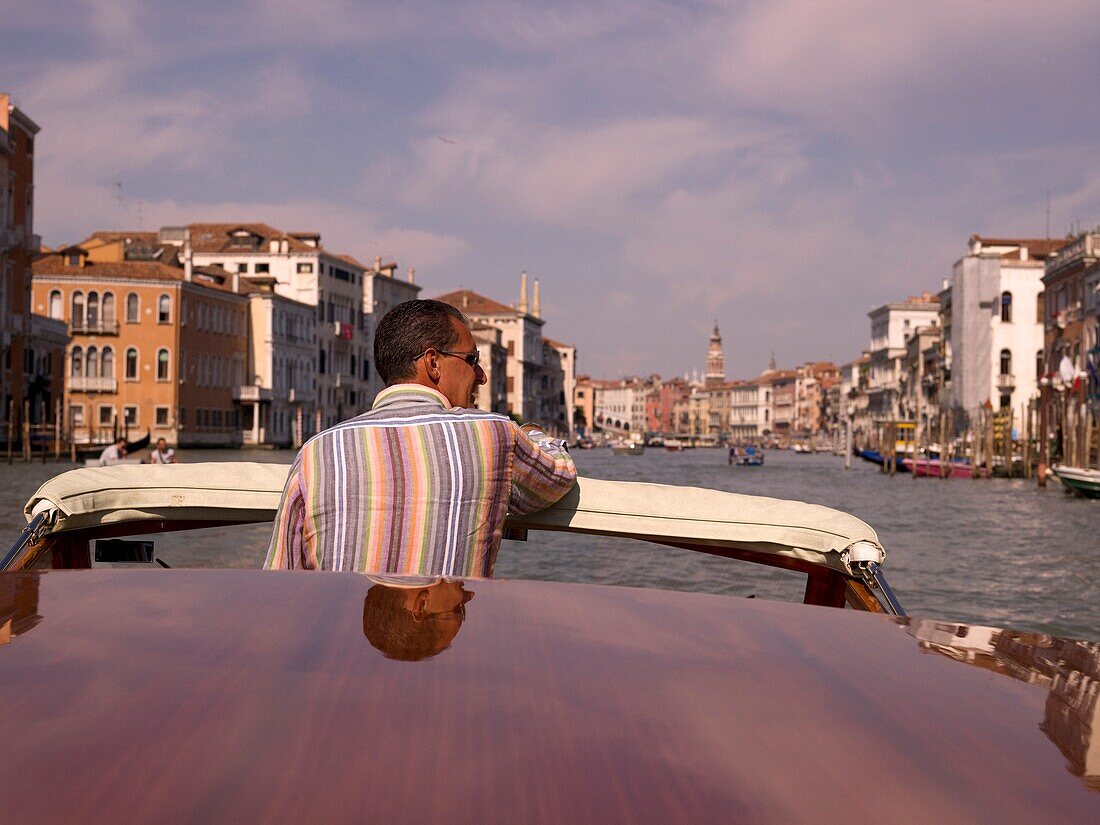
(77, 316)
(91, 363)
(133, 308)
(106, 415)
(108, 307)
(130, 415)
(1040, 307)
(162, 364)
(93, 308)
(76, 367)
(1006, 362)
(55, 304)
(1006, 307)
(107, 366)
(131, 367)
(161, 416)
(74, 259)
(164, 310)
(305, 269)
(263, 269)
(76, 415)
(1038, 365)
(242, 268)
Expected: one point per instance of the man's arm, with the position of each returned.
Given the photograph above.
(287, 542)
(542, 471)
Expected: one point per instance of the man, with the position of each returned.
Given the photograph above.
(419, 485)
(114, 452)
(163, 454)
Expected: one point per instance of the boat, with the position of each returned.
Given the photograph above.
(752, 457)
(1078, 480)
(937, 468)
(578, 703)
(91, 452)
(110, 462)
(673, 445)
(802, 449)
(875, 457)
(627, 448)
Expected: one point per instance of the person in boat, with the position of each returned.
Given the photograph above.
(114, 452)
(162, 454)
(421, 483)
(410, 620)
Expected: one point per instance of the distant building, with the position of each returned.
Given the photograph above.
(493, 396)
(556, 387)
(18, 246)
(382, 291)
(751, 410)
(619, 408)
(891, 325)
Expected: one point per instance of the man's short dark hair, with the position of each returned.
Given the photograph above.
(406, 331)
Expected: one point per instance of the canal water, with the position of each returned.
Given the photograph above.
(995, 552)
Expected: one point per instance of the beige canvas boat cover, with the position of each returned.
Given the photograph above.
(249, 492)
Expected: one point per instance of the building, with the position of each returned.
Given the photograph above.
(382, 291)
(556, 387)
(784, 394)
(996, 322)
(493, 395)
(584, 405)
(278, 399)
(918, 388)
(891, 325)
(751, 410)
(661, 402)
(812, 383)
(154, 347)
(620, 406)
(303, 270)
(18, 246)
(521, 334)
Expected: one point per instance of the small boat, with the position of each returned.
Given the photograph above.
(751, 458)
(802, 449)
(1079, 480)
(875, 457)
(674, 445)
(937, 468)
(627, 448)
(92, 451)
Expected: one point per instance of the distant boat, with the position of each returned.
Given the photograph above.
(751, 458)
(935, 468)
(1079, 480)
(623, 448)
(674, 445)
(802, 449)
(875, 457)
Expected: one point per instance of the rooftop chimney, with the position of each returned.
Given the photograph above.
(378, 263)
(412, 275)
(185, 254)
(536, 304)
(523, 292)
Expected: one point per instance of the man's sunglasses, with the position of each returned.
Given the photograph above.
(471, 358)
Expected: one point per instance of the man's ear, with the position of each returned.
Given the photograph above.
(431, 365)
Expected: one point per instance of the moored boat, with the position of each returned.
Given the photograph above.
(938, 468)
(1079, 480)
(627, 448)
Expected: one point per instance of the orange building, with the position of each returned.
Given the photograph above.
(155, 347)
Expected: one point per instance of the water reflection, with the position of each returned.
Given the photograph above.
(1068, 669)
(413, 619)
(18, 604)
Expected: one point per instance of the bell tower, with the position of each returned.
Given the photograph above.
(716, 361)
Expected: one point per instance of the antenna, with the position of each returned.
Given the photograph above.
(118, 206)
(1048, 214)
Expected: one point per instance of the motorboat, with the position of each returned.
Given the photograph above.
(939, 468)
(575, 702)
(1078, 480)
(674, 445)
(751, 457)
(627, 448)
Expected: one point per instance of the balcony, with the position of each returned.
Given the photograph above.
(92, 384)
(93, 328)
(249, 392)
(1006, 382)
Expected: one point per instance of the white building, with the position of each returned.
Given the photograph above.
(563, 359)
(282, 368)
(891, 326)
(382, 291)
(996, 322)
(306, 272)
(750, 410)
(619, 407)
(521, 335)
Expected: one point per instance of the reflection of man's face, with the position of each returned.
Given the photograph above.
(412, 623)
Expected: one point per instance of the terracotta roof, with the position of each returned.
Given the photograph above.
(1036, 247)
(55, 264)
(470, 302)
(110, 237)
(554, 343)
(215, 237)
(349, 260)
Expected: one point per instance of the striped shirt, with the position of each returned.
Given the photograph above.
(413, 487)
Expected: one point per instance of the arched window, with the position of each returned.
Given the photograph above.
(1039, 365)
(91, 363)
(76, 366)
(1006, 362)
(164, 309)
(162, 364)
(93, 308)
(133, 308)
(131, 364)
(78, 308)
(55, 304)
(1006, 307)
(108, 307)
(107, 365)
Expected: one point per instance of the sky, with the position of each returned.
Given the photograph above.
(778, 167)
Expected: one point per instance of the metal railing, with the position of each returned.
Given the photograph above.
(92, 384)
